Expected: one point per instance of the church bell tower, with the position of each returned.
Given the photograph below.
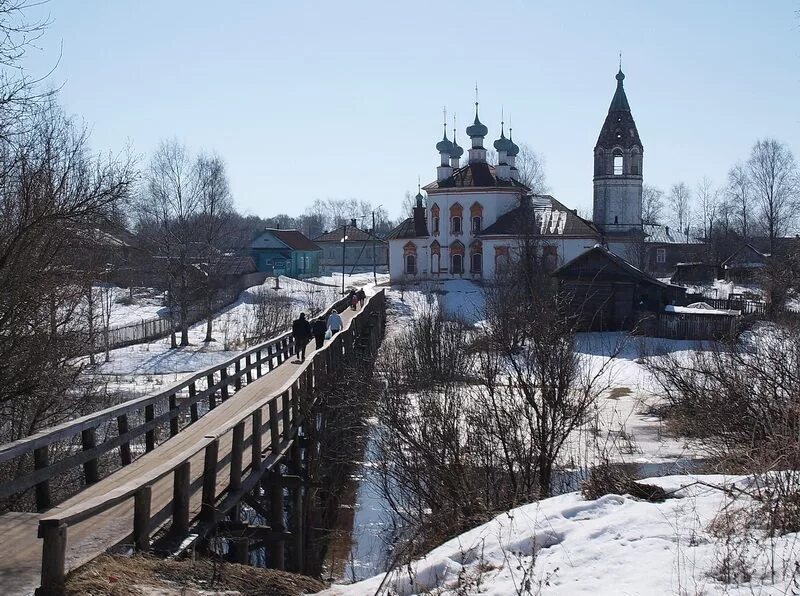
(618, 171)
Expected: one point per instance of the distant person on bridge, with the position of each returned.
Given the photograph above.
(361, 295)
(318, 329)
(301, 331)
(334, 322)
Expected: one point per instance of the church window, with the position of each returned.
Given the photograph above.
(477, 262)
(617, 165)
(436, 224)
(457, 264)
(411, 264)
(476, 224)
(455, 225)
(661, 255)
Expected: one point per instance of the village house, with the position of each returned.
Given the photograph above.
(472, 217)
(285, 252)
(360, 249)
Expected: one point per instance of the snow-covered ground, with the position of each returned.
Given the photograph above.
(614, 545)
(351, 280)
(143, 368)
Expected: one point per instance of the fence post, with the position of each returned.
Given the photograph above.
(174, 421)
(208, 502)
(150, 435)
(248, 363)
(193, 413)
(237, 367)
(212, 393)
(180, 499)
(90, 470)
(223, 373)
(256, 447)
(141, 518)
(237, 449)
(41, 460)
(54, 551)
(124, 448)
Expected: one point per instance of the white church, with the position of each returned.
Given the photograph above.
(475, 212)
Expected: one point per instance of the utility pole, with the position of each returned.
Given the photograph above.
(374, 268)
(344, 244)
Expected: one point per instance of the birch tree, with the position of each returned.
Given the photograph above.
(772, 173)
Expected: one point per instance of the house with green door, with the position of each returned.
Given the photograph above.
(285, 252)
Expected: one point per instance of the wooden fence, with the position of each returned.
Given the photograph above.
(125, 425)
(672, 325)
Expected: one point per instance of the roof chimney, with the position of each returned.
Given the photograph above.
(353, 223)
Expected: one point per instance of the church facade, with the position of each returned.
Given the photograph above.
(475, 213)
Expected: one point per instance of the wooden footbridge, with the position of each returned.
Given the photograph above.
(171, 470)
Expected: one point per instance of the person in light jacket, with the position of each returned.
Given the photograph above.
(334, 323)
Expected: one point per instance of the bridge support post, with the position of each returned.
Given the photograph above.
(54, 551)
(141, 519)
(174, 420)
(90, 470)
(296, 520)
(212, 394)
(193, 413)
(209, 498)
(180, 500)
(124, 448)
(41, 459)
(223, 373)
(150, 435)
(276, 549)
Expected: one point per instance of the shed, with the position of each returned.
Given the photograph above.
(610, 294)
(361, 248)
(285, 252)
(745, 264)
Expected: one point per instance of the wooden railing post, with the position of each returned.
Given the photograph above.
(256, 444)
(180, 499)
(212, 393)
(150, 435)
(237, 367)
(258, 364)
(286, 413)
(209, 499)
(41, 460)
(237, 450)
(275, 438)
(141, 518)
(174, 420)
(54, 551)
(193, 413)
(91, 472)
(270, 363)
(223, 373)
(248, 361)
(124, 448)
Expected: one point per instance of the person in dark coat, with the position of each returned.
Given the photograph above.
(301, 330)
(353, 300)
(318, 329)
(361, 295)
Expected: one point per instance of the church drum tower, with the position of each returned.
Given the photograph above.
(618, 178)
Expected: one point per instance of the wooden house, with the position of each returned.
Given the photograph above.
(610, 294)
(285, 252)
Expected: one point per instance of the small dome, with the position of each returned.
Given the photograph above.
(503, 144)
(444, 146)
(477, 129)
(620, 75)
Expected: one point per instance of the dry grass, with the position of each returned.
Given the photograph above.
(139, 576)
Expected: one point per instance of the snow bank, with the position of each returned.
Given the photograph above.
(609, 546)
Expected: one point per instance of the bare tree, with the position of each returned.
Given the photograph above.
(772, 173)
(652, 204)
(739, 193)
(531, 167)
(214, 224)
(167, 209)
(708, 201)
(679, 202)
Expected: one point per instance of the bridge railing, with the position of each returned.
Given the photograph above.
(133, 427)
(223, 465)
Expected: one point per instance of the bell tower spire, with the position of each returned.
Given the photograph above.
(618, 169)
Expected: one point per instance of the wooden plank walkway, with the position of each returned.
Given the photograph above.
(21, 560)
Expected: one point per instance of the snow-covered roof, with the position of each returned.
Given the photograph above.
(700, 308)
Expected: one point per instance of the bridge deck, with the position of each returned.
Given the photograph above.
(21, 559)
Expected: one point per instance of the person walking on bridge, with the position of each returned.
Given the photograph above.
(361, 295)
(318, 329)
(334, 322)
(301, 330)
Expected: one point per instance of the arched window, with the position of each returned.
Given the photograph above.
(435, 263)
(476, 224)
(455, 225)
(456, 264)
(477, 262)
(617, 164)
(435, 224)
(411, 264)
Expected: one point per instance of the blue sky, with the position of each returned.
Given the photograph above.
(343, 99)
